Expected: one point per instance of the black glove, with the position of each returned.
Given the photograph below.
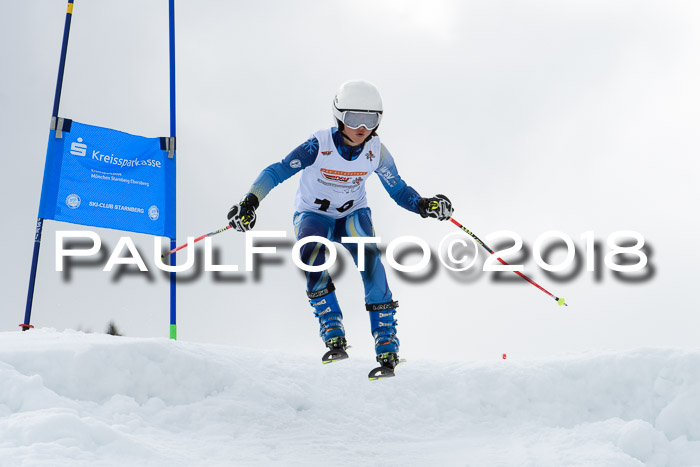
(438, 207)
(242, 215)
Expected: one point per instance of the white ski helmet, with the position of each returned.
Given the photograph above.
(358, 103)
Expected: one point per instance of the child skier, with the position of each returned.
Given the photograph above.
(331, 203)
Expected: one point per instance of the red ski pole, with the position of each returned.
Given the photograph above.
(195, 241)
(560, 301)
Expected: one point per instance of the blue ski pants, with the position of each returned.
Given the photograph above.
(356, 224)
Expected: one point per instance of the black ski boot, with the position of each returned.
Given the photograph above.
(338, 347)
(388, 361)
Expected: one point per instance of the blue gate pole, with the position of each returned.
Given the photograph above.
(40, 221)
(173, 241)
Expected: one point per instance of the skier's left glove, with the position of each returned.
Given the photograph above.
(242, 215)
(438, 207)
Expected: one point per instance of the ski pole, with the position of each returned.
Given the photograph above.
(560, 301)
(195, 241)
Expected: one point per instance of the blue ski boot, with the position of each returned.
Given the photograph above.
(330, 320)
(386, 343)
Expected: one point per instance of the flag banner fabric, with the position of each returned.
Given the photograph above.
(106, 178)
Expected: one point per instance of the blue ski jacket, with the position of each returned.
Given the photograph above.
(274, 174)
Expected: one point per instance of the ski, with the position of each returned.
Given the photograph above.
(337, 350)
(334, 355)
(383, 371)
(388, 363)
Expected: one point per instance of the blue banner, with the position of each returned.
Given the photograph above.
(106, 178)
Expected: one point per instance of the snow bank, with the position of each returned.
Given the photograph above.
(71, 398)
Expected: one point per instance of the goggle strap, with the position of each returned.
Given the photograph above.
(361, 111)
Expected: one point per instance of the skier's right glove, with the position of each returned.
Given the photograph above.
(242, 215)
(438, 207)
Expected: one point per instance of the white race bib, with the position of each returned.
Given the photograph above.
(333, 185)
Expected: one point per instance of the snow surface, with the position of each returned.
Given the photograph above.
(70, 398)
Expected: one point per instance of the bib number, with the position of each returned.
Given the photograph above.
(325, 204)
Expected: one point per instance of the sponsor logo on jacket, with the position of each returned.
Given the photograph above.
(341, 176)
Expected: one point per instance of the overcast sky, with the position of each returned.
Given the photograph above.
(531, 116)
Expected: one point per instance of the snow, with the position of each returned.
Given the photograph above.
(70, 398)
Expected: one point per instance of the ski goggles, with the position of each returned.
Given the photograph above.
(354, 120)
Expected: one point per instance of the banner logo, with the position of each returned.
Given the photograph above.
(78, 148)
(73, 201)
(153, 213)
